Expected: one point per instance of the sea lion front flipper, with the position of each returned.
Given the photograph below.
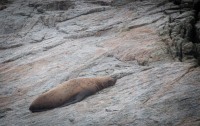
(79, 97)
(83, 94)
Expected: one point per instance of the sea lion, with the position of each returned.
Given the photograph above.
(70, 92)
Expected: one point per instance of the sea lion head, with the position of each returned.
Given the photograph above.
(108, 81)
(111, 81)
(104, 82)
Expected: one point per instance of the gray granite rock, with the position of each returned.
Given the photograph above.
(44, 43)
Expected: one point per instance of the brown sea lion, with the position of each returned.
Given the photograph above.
(70, 92)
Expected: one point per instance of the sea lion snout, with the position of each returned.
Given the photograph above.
(112, 82)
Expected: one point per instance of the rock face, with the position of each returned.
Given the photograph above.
(46, 42)
(183, 29)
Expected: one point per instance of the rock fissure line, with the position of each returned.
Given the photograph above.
(170, 85)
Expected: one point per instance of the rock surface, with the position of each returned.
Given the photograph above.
(44, 43)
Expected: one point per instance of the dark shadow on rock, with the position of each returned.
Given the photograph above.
(52, 6)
